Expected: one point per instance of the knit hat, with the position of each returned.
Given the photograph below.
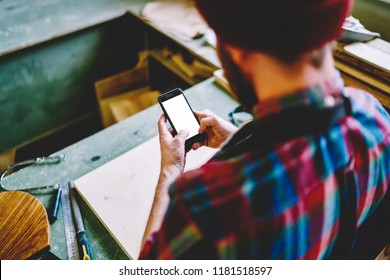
(282, 28)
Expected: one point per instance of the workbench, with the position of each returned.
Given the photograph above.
(109, 144)
(114, 140)
(52, 52)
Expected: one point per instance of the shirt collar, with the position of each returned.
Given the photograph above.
(319, 96)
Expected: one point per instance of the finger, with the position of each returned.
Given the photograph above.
(205, 123)
(201, 115)
(196, 146)
(162, 120)
(162, 126)
(182, 135)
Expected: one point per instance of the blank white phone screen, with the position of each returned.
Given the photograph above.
(181, 115)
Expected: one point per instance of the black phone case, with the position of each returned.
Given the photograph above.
(170, 94)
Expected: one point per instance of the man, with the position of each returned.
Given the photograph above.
(305, 175)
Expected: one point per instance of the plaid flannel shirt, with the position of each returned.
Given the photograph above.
(282, 203)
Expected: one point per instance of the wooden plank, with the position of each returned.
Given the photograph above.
(173, 67)
(24, 226)
(120, 83)
(121, 192)
(125, 81)
(351, 81)
(136, 95)
(341, 55)
(363, 77)
(123, 108)
(376, 58)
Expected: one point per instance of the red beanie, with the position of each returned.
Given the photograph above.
(282, 28)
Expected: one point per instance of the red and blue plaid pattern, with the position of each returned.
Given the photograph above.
(281, 203)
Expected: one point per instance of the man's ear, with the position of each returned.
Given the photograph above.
(238, 55)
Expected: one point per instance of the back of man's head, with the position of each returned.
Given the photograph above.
(284, 29)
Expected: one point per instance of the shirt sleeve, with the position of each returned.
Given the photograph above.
(177, 235)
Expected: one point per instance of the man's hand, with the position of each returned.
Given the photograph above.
(173, 155)
(216, 128)
(173, 158)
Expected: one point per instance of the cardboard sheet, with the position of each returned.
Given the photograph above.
(121, 192)
(179, 17)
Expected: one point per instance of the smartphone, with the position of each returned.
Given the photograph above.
(180, 115)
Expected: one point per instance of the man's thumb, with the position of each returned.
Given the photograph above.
(183, 134)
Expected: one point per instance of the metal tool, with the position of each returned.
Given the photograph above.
(82, 241)
(39, 161)
(70, 232)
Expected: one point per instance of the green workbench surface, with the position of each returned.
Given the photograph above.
(109, 144)
(52, 52)
(25, 23)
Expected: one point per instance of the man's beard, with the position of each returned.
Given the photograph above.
(241, 86)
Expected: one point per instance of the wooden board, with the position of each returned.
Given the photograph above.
(121, 192)
(122, 108)
(370, 54)
(371, 80)
(142, 97)
(24, 226)
(125, 81)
